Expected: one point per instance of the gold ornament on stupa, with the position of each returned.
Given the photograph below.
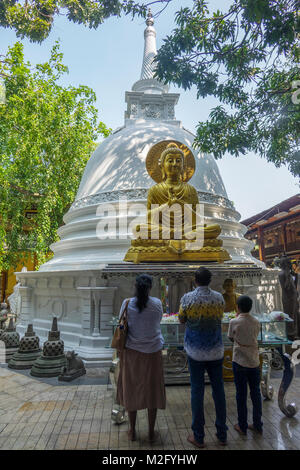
(173, 231)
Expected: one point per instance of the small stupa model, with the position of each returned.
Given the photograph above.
(28, 352)
(52, 360)
(11, 339)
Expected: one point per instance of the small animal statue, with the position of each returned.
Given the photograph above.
(74, 362)
(74, 368)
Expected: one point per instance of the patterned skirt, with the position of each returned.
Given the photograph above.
(141, 381)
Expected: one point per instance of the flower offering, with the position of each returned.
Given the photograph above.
(170, 317)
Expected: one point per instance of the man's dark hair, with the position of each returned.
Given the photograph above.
(203, 276)
(244, 303)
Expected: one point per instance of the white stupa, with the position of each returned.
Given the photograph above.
(77, 285)
(117, 170)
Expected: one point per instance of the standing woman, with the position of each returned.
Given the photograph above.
(141, 379)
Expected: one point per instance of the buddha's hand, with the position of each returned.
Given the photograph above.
(173, 201)
(161, 208)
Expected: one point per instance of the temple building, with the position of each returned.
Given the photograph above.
(28, 260)
(117, 170)
(85, 282)
(276, 231)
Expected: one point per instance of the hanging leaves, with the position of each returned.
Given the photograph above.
(248, 58)
(47, 133)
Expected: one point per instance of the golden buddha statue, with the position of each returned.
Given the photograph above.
(230, 296)
(172, 231)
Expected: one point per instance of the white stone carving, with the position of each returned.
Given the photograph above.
(14, 300)
(141, 193)
(152, 111)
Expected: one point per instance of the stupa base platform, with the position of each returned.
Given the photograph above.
(9, 353)
(24, 360)
(182, 267)
(48, 366)
(144, 257)
(85, 301)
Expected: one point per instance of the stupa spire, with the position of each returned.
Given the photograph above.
(149, 98)
(150, 50)
(147, 83)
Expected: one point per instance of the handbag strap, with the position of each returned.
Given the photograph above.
(124, 313)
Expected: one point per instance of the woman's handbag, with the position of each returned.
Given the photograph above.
(120, 334)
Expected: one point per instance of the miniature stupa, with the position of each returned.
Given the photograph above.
(11, 339)
(52, 360)
(28, 352)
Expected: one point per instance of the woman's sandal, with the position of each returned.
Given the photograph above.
(253, 428)
(152, 439)
(131, 435)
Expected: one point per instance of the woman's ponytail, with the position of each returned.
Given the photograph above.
(143, 285)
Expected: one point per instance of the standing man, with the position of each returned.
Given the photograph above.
(243, 331)
(202, 311)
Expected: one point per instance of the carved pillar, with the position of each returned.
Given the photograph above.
(26, 309)
(86, 311)
(156, 287)
(261, 242)
(172, 293)
(97, 309)
(177, 287)
(184, 286)
(284, 237)
(124, 288)
(96, 298)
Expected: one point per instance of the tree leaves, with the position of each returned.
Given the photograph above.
(34, 18)
(248, 58)
(47, 133)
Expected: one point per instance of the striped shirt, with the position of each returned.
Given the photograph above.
(202, 310)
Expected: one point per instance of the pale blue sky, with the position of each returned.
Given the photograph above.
(109, 61)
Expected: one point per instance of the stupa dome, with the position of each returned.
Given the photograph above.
(117, 170)
(118, 164)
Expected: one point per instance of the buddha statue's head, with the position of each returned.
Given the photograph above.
(171, 162)
(229, 286)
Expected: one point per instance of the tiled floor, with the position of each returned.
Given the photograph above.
(37, 415)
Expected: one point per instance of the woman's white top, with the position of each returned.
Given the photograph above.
(144, 332)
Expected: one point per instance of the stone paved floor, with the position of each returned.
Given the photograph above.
(37, 415)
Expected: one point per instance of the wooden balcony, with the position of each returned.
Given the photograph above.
(274, 250)
(293, 247)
